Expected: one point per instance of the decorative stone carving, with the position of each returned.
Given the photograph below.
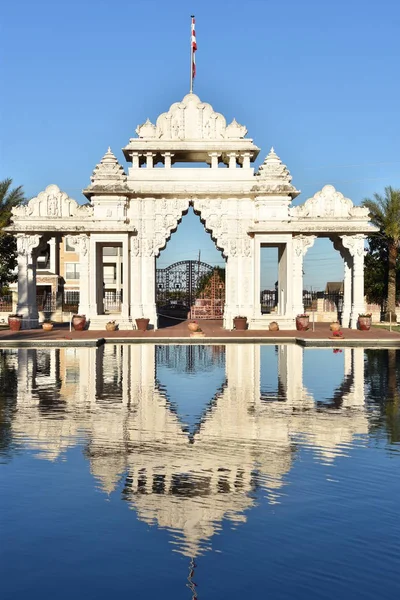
(52, 203)
(354, 244)
(273, 177)
(80, 242)
(235, 131)
(329, 203)
(147, 130)
(302, 243)
(26, 244)
(108, 169)
(191, 119)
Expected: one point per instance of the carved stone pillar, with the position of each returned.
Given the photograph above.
(232, 159)
(355, 245)
(135, 160)
(167, 159)
(150, 160)
(26, 245)
(82, 245)
(135, 272)
(245, 160)
(214, 159)
(301, 243)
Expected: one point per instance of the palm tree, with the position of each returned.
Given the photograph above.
(385, 214)
(8, 247)
(8, 199)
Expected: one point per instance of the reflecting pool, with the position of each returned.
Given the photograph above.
(199, 472)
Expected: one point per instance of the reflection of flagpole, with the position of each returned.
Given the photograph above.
(192, 585)
(193, 48)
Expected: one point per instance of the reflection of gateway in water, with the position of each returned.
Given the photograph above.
(111, 396)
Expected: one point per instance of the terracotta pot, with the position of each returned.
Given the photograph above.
(335, 326)
(364, 323)
(240, 323)
(47, 326)
(273, 326)
(111, 326)
(142, 323)
(15, 323)
(193, 326)
(79, 322)
(302, 323)
(197, 334)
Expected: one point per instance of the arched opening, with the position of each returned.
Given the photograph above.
(190, 274)
(323, 280)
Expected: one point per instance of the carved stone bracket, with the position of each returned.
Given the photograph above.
(302, 243)
(26, 244)
(354, 244)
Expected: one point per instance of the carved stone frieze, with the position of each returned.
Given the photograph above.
(329, 203)
(52, 203)
(191, 119)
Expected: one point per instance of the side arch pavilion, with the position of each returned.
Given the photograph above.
(243, 210)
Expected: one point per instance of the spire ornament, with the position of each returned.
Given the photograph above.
(274, 177)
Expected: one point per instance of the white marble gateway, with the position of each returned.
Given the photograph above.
(242, 209)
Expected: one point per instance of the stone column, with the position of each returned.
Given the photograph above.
(232, 159)
(135, 279)
(301, 243)
(245, 160)
(26, 245)
(167, 159)
(214, 159)
(82, 244)
(125, 277)
(149, 159)
(135, 160)
(355, 245)
(347, 286)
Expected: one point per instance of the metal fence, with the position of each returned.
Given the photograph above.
(6, 303)
(112, 301)
(70, 301)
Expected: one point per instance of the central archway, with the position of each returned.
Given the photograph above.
(190, 288)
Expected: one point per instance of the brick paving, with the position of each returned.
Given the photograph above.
(213, 331)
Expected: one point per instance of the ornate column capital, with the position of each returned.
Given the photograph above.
(27, 243)
(354, 244)
(302, 243)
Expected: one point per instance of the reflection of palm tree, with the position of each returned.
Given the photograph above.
(381, 378)
(392, 406)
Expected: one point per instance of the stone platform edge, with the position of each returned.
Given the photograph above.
(210, 341)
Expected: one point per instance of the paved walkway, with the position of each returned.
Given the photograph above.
(321, 335)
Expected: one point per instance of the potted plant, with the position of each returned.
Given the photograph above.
(193, 326)
(335, 326)
(15, 322)
(364, 321)
(47, 325)
(199, 333)
(142, 323)
(302, 322)
(273, 326)
(240, 323)
(79, 322)
(111, 326)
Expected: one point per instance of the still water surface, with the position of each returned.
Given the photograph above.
(199, 472)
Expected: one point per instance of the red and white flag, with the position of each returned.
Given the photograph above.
(194, 47)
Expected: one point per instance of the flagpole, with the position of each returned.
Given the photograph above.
(191, 56)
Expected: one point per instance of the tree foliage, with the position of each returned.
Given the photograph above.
(9, 197)
(382, 258)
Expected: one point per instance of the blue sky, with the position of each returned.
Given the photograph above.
(318, 81)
